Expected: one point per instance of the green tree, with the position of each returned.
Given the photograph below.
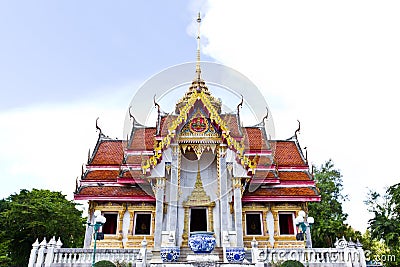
(37, 214)
(329, 222)
(385, 225)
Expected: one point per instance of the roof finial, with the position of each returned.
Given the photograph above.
(98, 128)
(297, 131)
(266, 116)
(239, 105)
(198, 70)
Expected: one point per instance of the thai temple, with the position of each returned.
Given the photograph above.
(197, 171)
(197, 188)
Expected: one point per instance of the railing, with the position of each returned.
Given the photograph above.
(80, 255)
(51, 254)
(347, 254)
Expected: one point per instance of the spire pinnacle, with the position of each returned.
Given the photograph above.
(198, 70)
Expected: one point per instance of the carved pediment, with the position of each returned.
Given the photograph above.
(199, 129)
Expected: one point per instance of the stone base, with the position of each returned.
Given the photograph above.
(199, 258)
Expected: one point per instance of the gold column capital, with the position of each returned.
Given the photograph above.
(160, 184)
(236, 182)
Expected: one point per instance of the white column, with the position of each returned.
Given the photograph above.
(237, 195)
(172, 215)
(224, 205)
(308, 236)
(89, 229)
(159, 193)
(32, 257)
(40, 258)
(50, 252)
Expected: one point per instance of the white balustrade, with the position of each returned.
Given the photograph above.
(341, 256)
(51, 254)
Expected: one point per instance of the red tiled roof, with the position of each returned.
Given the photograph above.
(111, 191)
(283, 191)
(133, 174)
(232, 124)
(264, 174)
(287, 154)
(135, 159)
(102, 175)
(294, 176)
(262, 160)
(108, 153)
(143, 139)
(254, 138)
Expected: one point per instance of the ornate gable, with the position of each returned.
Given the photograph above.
(199, 96)
(199, 129)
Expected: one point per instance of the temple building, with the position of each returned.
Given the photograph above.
(197, 170)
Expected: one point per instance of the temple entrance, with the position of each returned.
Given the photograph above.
(198, 219)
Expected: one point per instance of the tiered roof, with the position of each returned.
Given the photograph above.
(276, 170)
(119, 170)
(114, 170)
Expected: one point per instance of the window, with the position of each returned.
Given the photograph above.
(110, 227)
(253, 224)
(142, 223)
(198, 219)
(286, 226)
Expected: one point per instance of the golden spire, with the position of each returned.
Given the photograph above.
(198, 184)
(198, 70)
(198, 84)
(198, 197)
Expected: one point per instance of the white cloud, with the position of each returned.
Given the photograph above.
(332, 65)
(45, 146)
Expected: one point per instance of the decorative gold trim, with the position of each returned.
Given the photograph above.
(219, 172)
(198, 197)
(198, 149)
(112, 241)
(263, 209)
(134, 241)
(183, 116)
(168, 167)
(159, 185)
(237, 182)
(179, 173)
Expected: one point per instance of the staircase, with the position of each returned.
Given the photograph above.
(185, 251)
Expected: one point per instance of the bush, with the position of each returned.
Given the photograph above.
(104, 264)
(291, 263)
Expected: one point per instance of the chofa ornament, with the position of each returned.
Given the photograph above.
(235, 254)
(170, 254)
(202, 242)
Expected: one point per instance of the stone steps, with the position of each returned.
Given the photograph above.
(218, 251)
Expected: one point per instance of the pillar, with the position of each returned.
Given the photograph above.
(50, 252)
(172, 214)
(40, 257)
(224, 204)
(237, 195)
(32, 257)
(89, 229)
(159, 193)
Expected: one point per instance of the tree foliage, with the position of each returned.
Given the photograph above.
(385, 225)
(329, 215)
(29, 215)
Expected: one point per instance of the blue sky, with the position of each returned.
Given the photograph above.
(332, 65)
(59, 51)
